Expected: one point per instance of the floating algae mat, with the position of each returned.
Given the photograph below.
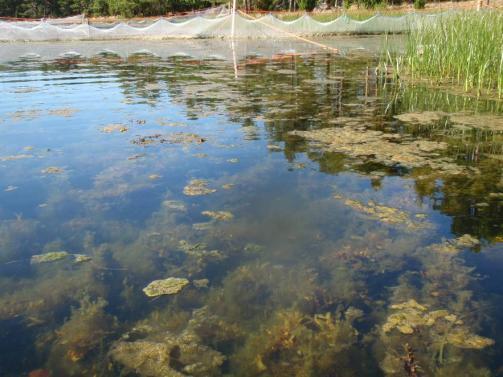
(167, 212)
(169, 286)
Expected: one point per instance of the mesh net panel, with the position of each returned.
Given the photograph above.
(216, 26)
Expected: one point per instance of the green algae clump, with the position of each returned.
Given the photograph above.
(169, 286)
(49, 257)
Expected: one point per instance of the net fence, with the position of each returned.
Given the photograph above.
(216, 25)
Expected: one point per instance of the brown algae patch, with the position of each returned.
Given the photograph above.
(219, 215)
(389, 149)
(202, 226)
(197, 187)
(85, 330)
(169, 356)
(424, 117)
(25, 115)
(484, 122)
(54, 256)
(63, 112)
(465, 241)
(185, 138)
(198, 257)
(175, 138)
(410, 317)
(53, 170)
(388, 215)
(201, 283)
(114, 127)
(136, 156)
(81, 258)
(15, 157)
(274, 148)
(148, 358)
(25, 89)
(169, 286)
(199, 251)
(488, 122)
(167, 123)
(175, 205)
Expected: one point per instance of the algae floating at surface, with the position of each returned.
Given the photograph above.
(389, 149)
(424, 117)
(175, 205)
(219, 215)
(53, 170)
(80, 258)
(114, 127)
(198, 187)
(169, 286)
(410, 316)
(49, 257)
(455, 245)
(385, 214)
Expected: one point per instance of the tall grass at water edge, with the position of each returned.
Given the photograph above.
(463, 49)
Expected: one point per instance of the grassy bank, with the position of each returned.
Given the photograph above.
(464, 50)
(356, 14)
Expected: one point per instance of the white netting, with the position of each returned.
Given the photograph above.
(210, 26)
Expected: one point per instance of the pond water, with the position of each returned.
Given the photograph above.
(320, 220)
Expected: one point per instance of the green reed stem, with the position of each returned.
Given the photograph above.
(464, 49)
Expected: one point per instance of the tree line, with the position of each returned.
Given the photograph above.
(145, 8)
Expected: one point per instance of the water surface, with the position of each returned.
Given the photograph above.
(304, 256)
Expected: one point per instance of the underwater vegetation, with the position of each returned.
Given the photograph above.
(299, 220)
(292, 344)
(85, 330)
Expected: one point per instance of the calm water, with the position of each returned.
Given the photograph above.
(319, 259)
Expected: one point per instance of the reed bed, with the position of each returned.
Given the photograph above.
(465, 49)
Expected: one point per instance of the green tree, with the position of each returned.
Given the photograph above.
(307, 4)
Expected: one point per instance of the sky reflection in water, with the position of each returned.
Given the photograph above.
(331, 265)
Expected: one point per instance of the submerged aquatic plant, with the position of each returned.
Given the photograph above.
(293, 344)
(85, 329)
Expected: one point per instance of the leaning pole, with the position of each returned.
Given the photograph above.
(233, 22)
